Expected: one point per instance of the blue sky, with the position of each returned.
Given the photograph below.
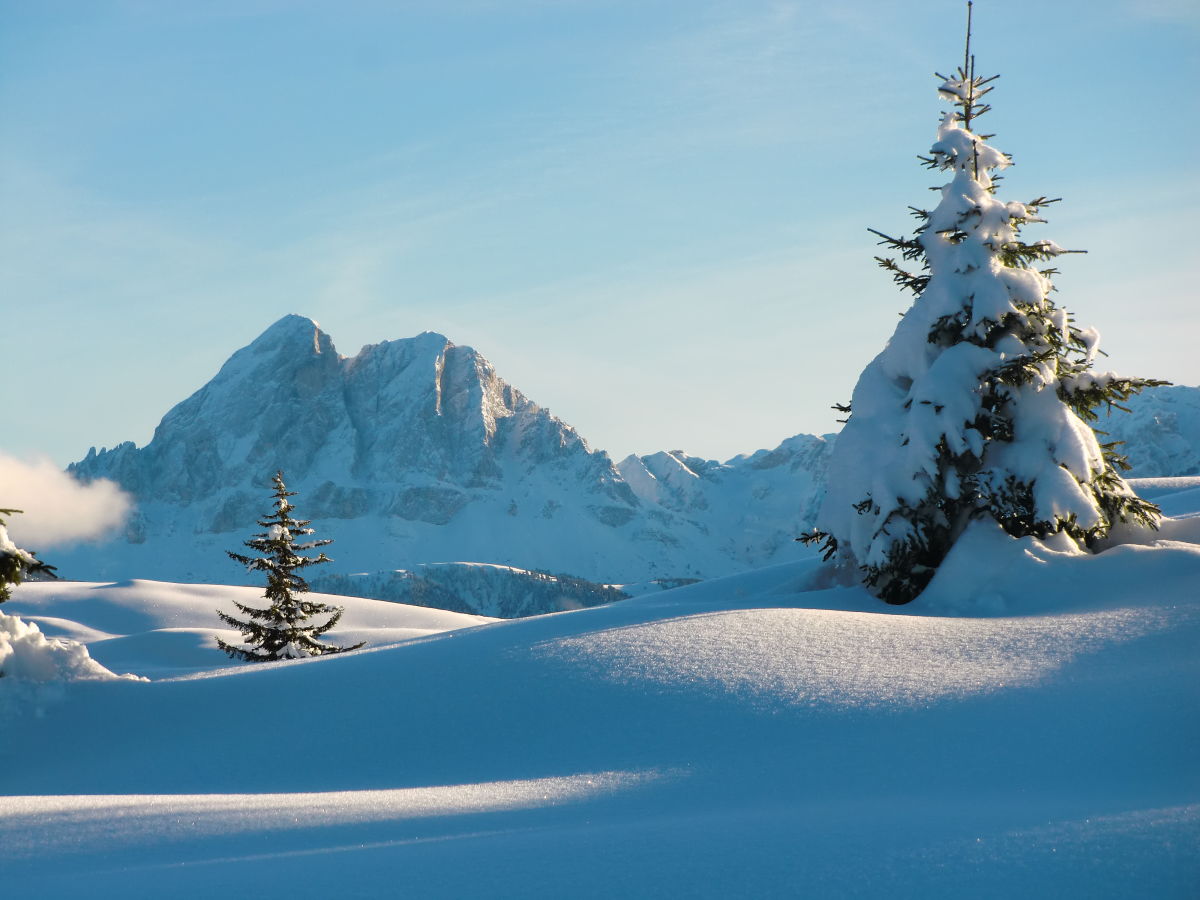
(650, 216)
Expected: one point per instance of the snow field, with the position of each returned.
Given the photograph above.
(163, 630)
(102, 823)
(766, 734)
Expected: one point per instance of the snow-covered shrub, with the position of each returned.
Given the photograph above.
(980, 403)
(286, 628)
(28, 655)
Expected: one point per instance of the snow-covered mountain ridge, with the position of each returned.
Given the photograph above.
(1161, 431)
(415, 451)
(474, 589)
(408, 428)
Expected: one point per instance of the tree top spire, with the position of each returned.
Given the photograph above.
(968, 60)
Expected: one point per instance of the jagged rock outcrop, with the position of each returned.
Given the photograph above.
(406, 428)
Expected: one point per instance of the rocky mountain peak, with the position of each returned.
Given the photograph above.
(418, 429)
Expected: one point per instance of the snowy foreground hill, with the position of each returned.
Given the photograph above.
(415, 452)
(1026, 727)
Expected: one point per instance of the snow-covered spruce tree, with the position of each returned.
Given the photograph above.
(16, 564)
(979, 406)
(285, 629)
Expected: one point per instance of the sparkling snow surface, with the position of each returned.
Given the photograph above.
(824, 659)
(767, 734)
(102, 823)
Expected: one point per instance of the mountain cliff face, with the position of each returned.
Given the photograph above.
(415, 451)
(413, 428)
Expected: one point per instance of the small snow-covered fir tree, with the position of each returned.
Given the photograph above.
(285, 629)
(16, 564)
(979, 405)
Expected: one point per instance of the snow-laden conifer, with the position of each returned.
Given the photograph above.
(285, 629)
(16, 564)
(981, 403)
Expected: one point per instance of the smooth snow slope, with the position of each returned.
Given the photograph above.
(767, 734)
(155, 629)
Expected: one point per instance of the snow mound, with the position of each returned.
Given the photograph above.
(846, 660)
(165, 630)
(28, 655)
(1178, 497)
(989, 573)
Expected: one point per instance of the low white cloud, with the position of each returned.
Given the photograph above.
(57, 509)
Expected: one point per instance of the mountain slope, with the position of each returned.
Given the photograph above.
(407, 428)
(752, 507)
(1161, 431)
(474, 588)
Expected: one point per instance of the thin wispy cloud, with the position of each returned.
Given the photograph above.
(1182, 12)
(503, 171)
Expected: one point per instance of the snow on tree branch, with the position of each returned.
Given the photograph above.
(979, 405)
